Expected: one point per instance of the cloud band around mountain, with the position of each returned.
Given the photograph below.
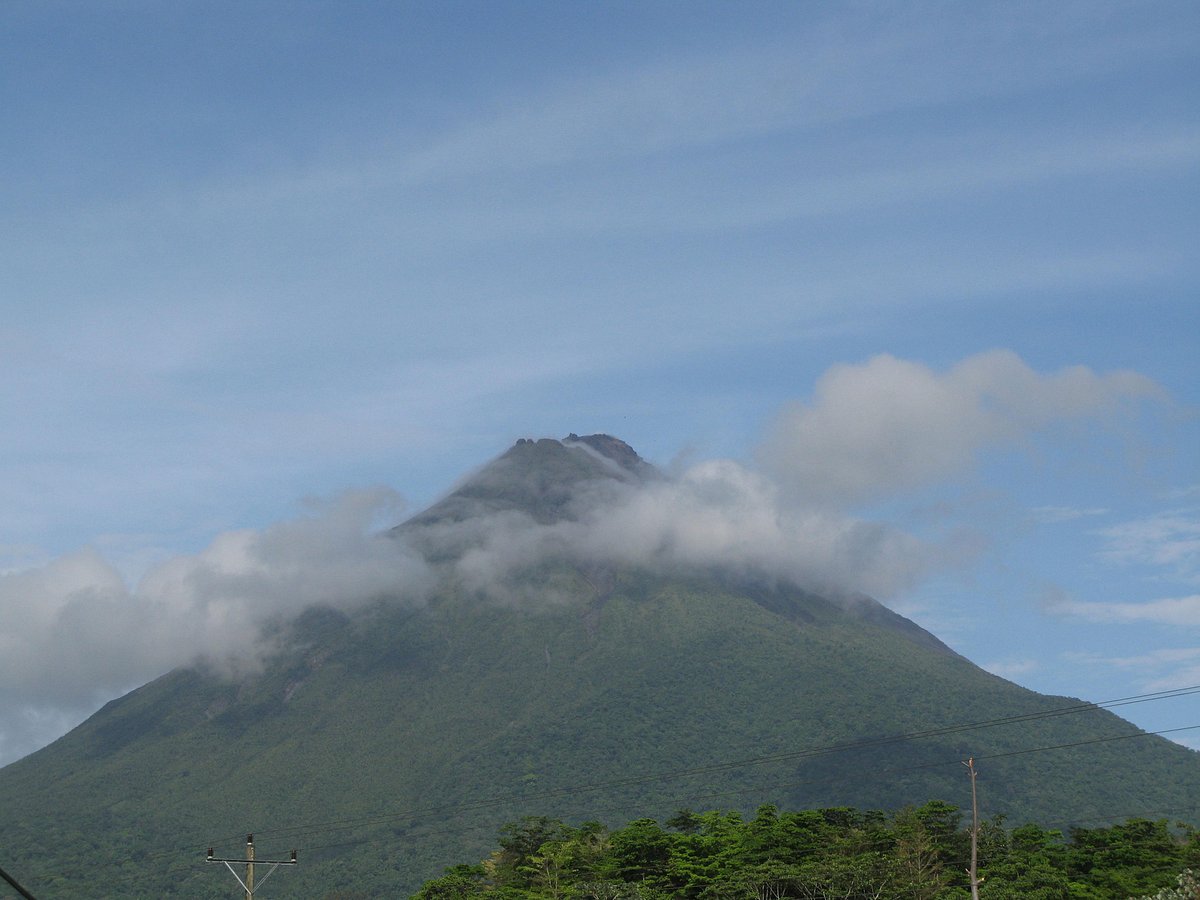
(77, 634)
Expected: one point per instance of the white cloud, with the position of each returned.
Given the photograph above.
(1169, 539)
(793, 83)
(864, 66)
(75, 634)
(1163, 669)
(889, 424)
(1162, 656)
(1176, 611)
(717, 514)
(1012, 668)
(721, 514)
(18, 557)
(1054, 514)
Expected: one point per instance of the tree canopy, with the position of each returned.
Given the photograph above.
(917, 853)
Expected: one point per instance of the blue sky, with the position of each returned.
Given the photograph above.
(260, 253)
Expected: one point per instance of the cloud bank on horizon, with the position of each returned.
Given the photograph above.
(79, 634)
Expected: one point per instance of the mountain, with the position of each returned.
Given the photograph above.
(390, 740)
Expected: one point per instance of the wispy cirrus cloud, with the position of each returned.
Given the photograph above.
(1172, 611)
(863, 67)
(1012, 668)
(1052, 514)
(795, 82)
(1163, 669)
(1169, 540)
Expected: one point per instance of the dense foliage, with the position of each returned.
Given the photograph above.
(918, 853)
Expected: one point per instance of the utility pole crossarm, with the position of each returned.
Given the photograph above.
(262, 862)
(248, 884)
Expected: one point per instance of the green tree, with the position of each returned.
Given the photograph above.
(1124, 860)
(519, 842)
(459, 882)
(640, 851)
(548, 870)
(1187, 887)
(919, 857)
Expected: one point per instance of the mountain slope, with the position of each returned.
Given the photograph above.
(389, 742)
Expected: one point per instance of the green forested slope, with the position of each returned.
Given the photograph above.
(441, 723)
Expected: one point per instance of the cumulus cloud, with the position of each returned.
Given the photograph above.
(77, 634)
(81, 635)
(716, 515)
(872, 430)
(721, 514)
(889, 424)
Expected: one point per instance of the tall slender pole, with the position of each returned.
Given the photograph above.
(249, 867)
(973, 872)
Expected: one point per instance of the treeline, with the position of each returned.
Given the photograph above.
(918, 853)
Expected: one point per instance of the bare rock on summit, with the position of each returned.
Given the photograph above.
(543, 478)
(615, 449)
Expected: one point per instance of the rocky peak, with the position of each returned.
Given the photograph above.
(613, 448)
(541, 477)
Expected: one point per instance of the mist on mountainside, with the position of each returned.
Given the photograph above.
(870, 432)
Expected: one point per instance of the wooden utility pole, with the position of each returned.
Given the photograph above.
(250, 864)
(973, 872)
